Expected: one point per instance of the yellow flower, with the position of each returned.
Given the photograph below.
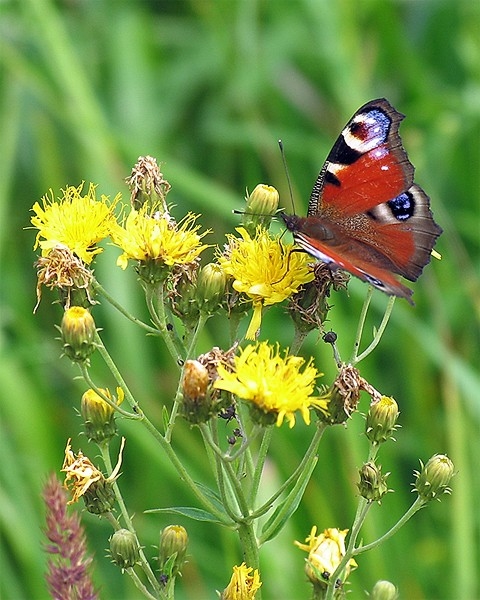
(325, 553)
(265, 270)
(243, 585)
(152, 237)
(79, 222)
(274, 384)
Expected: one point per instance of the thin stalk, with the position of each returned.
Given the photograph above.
(378, 334)
(311, 451)
(154, 296)
(145, 565)
(103, 292)
(416, 506)
(361, 324)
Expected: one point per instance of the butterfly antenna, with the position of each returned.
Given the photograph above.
(284, 160)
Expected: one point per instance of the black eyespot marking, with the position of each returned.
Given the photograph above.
(402, 206)
(342, 153)
(332, 178)
(371, 214)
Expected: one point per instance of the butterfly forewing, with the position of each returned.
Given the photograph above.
(365, 214)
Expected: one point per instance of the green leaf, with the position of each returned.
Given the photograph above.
(286, 509)
(188, 511)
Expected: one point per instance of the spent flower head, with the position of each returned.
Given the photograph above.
(150, 237)
(276, 386)
(244, 584)
(63, 270)
(77, 221)
(84, 479)
(264, 269)
(147, 184)
(325, 553)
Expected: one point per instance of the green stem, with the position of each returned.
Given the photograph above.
(361, 324)
(182, 471)
(378, 334)
(103, 292)
(261, 457)
(298, 340)
(311, 451)
(104, 449)
(179, 395)
(155, 299)
(103, 396)
(119, 379)
(416, 506)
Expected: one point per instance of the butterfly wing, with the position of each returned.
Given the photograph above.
(365, 214)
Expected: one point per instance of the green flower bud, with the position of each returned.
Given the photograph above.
(124, 549)
(78, 333)
(384, 590)
(210, 291)
(372, 484)
(197, 402)
(183, 294)
(262, 204)
(98, 415)
(432, 481)
(381, 420)
(172, 549)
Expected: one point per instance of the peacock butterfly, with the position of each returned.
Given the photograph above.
(366, 215)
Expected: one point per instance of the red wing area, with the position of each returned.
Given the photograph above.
(374, 178)
(344, 257)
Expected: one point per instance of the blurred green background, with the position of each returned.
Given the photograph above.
(208, 87)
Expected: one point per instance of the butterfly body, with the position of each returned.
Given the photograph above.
(366, 215)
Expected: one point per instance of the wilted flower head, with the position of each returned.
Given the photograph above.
(63, 270)
(147, 184)
(264, 269)
(276, 386)
(149, 237)
(244, 584)
(76, 221)
(325, 553)
(84, 479)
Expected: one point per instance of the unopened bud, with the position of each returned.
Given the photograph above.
(78, 333)
(372, 484)
(262, 204)
(210, 291)
(124, 549)
(197, 402)
(172, 549)
(381, 420)
(98, 415)
(384, 590)
(432, 481)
